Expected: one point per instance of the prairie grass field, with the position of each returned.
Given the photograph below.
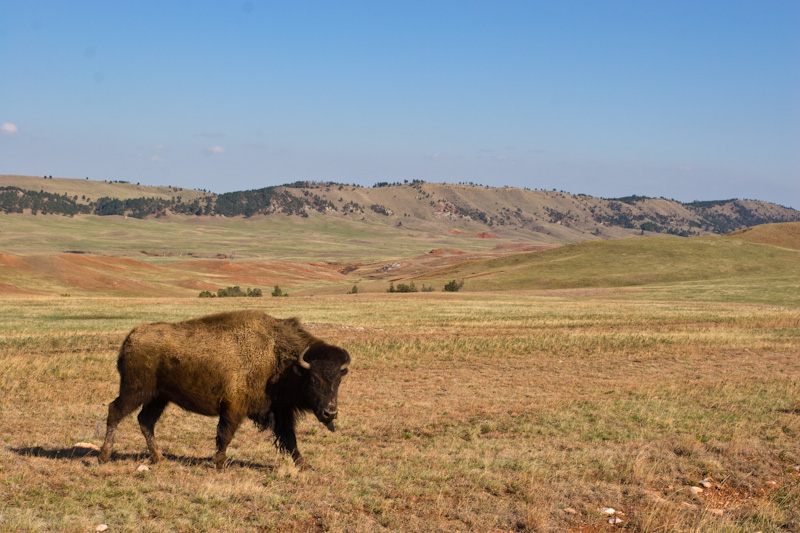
(496, 411)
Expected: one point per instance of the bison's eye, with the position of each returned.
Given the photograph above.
(344, 371)
(314, 380)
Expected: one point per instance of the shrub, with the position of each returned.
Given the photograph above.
(402, 287)
(231, 292)
(454, 286)
(278, 292)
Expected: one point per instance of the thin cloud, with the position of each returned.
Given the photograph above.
(213, 150)
(157, 159)
(208, 135)
(8, 128)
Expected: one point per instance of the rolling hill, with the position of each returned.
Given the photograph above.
(325, 238)
(763, 261)
(517, 214)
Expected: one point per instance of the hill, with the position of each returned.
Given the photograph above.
(317, 238)
(715, 268)
(517, 214)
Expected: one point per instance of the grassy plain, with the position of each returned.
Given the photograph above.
(273, 238)
(496, 411)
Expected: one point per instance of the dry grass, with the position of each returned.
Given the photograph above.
(476, 412)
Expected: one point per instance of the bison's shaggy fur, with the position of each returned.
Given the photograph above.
(232, 365)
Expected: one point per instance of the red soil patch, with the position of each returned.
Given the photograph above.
(482, 235)
(87, 272)
(440, 251)
(196, 284)
(7, 289)
(11, 261)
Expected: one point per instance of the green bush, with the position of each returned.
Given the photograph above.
(402, 287)
(232, 292)
(278, 292)
(454, 286)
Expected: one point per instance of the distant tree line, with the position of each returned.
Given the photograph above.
(232, 292)
(16, 200)
(264, 201)
(717, 216)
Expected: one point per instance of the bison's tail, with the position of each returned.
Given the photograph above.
(122, 351)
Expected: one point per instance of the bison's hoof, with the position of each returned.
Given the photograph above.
(156, 458)
(104, 457)
(302, 465)
(219, 461)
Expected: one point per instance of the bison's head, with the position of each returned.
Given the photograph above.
(322, 367)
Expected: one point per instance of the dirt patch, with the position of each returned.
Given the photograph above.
(481, 235)
(197, 284)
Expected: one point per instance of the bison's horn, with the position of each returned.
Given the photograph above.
(345, 365)
(302, 362)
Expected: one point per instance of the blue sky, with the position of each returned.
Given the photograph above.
(692, 100)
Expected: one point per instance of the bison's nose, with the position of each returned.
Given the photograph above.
(329, 414)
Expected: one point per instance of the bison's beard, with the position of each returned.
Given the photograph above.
(330, 426)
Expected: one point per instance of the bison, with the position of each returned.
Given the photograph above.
(235, 365)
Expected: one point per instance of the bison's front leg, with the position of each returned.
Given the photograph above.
(285, 437)
(229, 420)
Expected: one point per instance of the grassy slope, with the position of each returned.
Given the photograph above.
(785, 235)
(316, 238)
(93, 190)
(694, 266)
(261, 251)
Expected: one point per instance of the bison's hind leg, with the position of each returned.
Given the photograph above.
(148, 417)
(117, 410)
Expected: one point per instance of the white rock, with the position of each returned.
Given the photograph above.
(615, 521)
(608, 511)
(101, 527)
(88, 445)
(695, 490)
(142, 468)
(706, 484)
